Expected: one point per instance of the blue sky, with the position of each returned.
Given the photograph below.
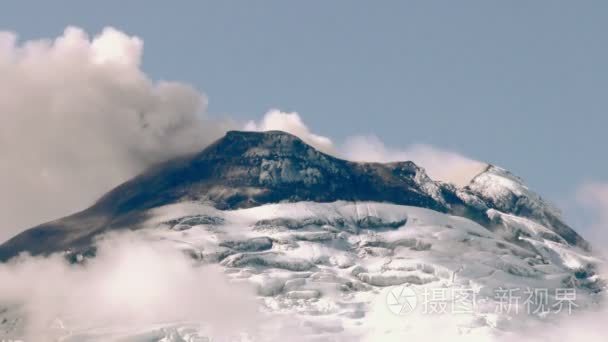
(522, 84)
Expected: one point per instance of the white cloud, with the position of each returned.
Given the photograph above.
(291, 123)
(78, 116)
(134, 283)
(443, 165)
(440, 164)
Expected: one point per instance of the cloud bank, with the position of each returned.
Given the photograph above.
(442, 165)
(78, 116)
(133, 283)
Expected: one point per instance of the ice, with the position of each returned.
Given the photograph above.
(329, 265)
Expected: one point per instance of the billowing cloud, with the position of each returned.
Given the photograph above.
(440, 164)
(78, 116)
(134, 283)
(291, 123)
(443, 165)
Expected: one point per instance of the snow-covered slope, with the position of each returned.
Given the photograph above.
(331, 267)
(501, 190)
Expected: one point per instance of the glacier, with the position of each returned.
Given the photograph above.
(330, 267)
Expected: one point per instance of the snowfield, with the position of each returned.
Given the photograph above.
(329, 271)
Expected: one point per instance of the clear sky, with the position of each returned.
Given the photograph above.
(523, 84)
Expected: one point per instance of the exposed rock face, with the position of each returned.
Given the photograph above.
(247, 169)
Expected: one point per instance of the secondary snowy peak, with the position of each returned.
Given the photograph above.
(503, 191)
(507, 191)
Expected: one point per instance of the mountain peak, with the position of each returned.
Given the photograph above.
(247, 169)
(248, 144)
(255, 138)
(247, 138)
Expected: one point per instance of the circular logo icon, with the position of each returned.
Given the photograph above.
(401, 300)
